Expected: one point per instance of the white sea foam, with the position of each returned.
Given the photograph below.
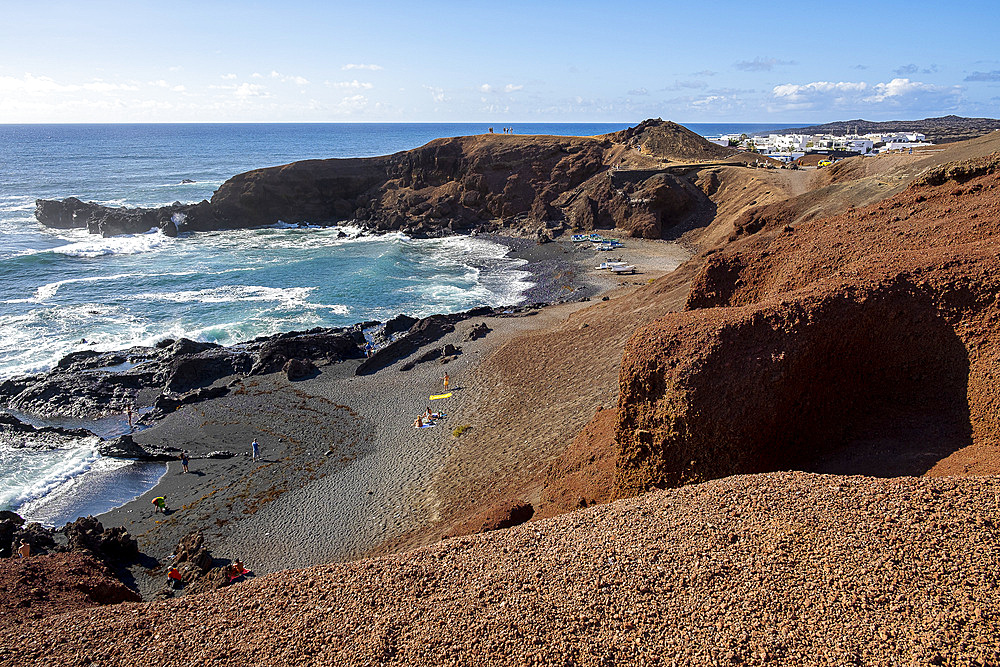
(105, 484)
(232, 293)
(28, 474)
(49, 290)
(336, 308)
(14, 204)
(291, 225)
(34, 341)
(192, 184)
(111, 202)
(129, 244)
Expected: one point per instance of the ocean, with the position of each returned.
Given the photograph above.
(65, 290)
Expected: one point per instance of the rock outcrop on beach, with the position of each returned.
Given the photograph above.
(874, 329)
(41, 586)
(71, 213)
(86, 534)
(529, 184)
(182, 372)
(171, 374)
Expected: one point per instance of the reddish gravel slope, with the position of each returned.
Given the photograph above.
(783, 568)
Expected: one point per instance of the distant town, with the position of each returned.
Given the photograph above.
(791, 147)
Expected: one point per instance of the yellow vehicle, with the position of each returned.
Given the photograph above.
(824, 163)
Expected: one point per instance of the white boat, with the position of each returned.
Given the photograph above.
(611, 265)
(628, 268)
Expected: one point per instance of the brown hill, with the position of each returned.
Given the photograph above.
(670, 141)
(841, 321)
(572, 364)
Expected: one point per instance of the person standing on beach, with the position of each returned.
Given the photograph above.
(254, 450)
(128, 411)
(184, 460)
(445, 380)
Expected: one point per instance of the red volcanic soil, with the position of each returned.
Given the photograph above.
(777, 569)
(862, 343)
(42, 586)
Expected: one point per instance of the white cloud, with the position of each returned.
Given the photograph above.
(759, 64)
(509, 88)
(899, 92)
(437, 94)
(288, 78)
(353, 103)
(901, 88)
(797, 92)
(706, 101)
(30, 84)
(105, 87)
(353, 85)
(256, 75)
(229, 76)
(245, 90)
(178, 89)
(373, 68)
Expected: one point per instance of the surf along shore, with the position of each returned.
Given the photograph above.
(343, 472)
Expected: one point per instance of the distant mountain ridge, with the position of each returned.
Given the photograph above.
(940, 130)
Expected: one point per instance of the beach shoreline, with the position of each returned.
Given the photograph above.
(51, 510)
(342, 470)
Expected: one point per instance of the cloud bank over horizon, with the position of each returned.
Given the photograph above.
(309, 62)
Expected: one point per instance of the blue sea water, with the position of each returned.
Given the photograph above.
(65, 290)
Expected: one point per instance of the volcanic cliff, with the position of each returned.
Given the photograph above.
(534, 184)
(872, 331)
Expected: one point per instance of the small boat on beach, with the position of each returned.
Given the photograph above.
(611, 265)
(628, 268)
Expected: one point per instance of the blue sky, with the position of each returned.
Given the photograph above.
(496, 62)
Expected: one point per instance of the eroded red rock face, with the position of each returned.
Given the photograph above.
(872, 329)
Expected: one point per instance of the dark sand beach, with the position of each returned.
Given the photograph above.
(342, 469)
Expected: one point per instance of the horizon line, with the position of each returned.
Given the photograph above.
(413, 122)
